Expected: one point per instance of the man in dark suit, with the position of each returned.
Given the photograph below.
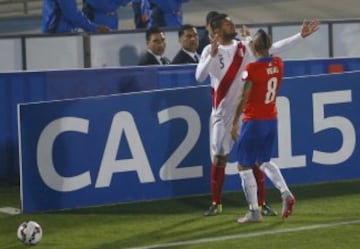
(189, 40)
(156, 44)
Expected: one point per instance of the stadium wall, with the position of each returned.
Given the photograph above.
(154, 144)
(23, 87)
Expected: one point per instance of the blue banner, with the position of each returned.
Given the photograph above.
(154, 145)
(114, 149)
(318, 129)
(24, 87)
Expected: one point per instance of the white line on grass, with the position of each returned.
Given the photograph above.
(9, 210)
(248, 235)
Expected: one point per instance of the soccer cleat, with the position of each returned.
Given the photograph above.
(213, 210)
(252, 216)
(288, 204)
(266, 210)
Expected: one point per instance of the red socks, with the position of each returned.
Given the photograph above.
(260, 180)
(217, 182)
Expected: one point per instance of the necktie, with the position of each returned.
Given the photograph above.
(163, 61)
(196, 58)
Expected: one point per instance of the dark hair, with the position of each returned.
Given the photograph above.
(183, 28)
(210, 15)
(152, 30)
(216, 21)
(263, 42)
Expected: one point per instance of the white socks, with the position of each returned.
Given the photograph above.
(250, 188)
(273, 172)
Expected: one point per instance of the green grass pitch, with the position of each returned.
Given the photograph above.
(325, 216)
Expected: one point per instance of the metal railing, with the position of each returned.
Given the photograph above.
(335, 38)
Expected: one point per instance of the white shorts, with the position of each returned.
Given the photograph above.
(221, 142)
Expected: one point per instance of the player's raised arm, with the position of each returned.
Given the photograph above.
(210, 51)
(245, 34)
(307, 29)
(202, 68)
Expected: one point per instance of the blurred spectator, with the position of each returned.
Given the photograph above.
(205, 38)
(156, 44)
(158, 13)
(189, 41)
(104, 12)
(60, 16)
(142, 13)
(166, 13)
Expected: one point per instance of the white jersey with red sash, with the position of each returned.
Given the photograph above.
(225, 73)
(226, 95)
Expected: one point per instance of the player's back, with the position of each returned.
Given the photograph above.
(266, 77)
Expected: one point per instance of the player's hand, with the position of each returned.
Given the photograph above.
(210, 35)
(214, 45)
(102, 29)
(235, 132)
(244, 31)
(308, 28)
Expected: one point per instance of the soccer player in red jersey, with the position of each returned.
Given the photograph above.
(258, 132)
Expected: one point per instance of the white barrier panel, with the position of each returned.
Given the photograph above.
(314, 46)
(11, 54)
(113, 50)
(58, 52)
(346, 40)
(124, 49)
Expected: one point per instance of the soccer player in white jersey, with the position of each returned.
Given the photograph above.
(224, 61)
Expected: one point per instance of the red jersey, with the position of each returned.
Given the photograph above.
(266, 76)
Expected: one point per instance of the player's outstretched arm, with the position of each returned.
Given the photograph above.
(307, 29)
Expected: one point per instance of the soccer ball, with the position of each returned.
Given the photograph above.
(30, 232)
